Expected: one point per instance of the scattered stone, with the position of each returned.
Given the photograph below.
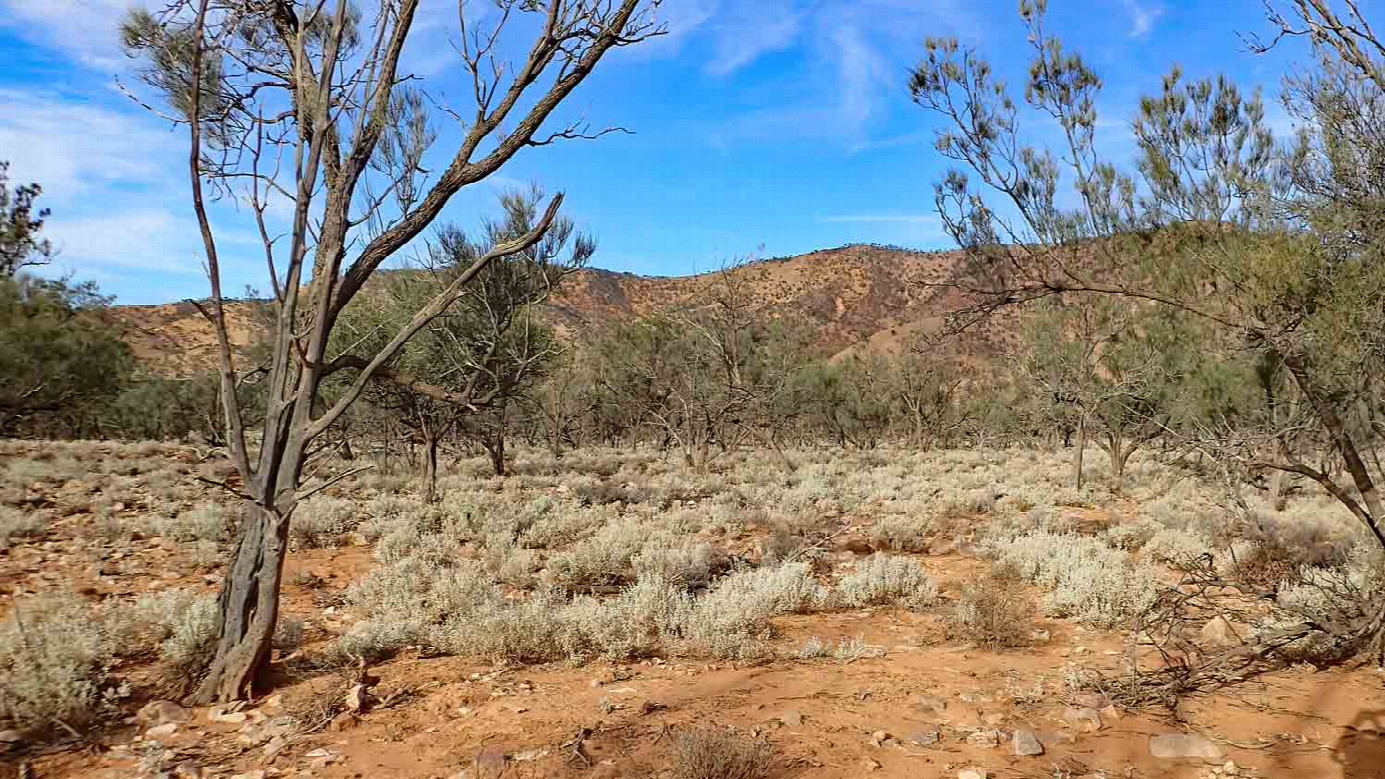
(256, 774)
(1176, 745)
(879, 737)
(531, 754)
(1027, 744)
(11, 737)
(973, 773)
(357, 698)
(987, 739)
(230, 718)
(791, 718)
(869, 765)
(162, 731)
(925, 738)
(1111, 714)
(1040, 636)
(1219, 632)
(160, 712)
(274, 746)
(1083, 718)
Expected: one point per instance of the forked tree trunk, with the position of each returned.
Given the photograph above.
(249, 606)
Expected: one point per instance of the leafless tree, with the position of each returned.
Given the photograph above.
(304, 102)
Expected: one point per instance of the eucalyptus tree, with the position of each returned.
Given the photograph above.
(305, 106)
(1275, 247)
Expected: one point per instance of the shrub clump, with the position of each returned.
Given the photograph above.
(902, 533)
(54, 664)
(883, 579)
(1087, 580)
(994, 613)
(319, 520)
(708, 753)
(18, 523)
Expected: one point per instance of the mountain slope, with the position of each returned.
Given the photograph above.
(857, 297)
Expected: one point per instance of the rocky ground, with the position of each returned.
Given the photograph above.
(893, 694)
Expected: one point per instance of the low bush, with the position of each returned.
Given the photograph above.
(994, 612)
(55, 657)
(713, 753)
(882, 580)
(1087, 580)
(320, 520)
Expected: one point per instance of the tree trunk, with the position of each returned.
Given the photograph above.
(1081, 449)
(249, 606)
(430, 466)
(495, 447)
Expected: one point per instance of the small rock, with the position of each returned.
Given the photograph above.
(791, 718)
(973, 773)
(256, 774)
(230, 718)
(357, 698)
(162, 731)
(879, 736)
(274, 746)
(160, 712)
(1111, 714)
(869, 765)
(988, 739)
(532, 754)
(1083, 718)
(319, 752)
(1219, 632)
(925, 738)
(1040, 636)
(1175, 745)
(1026, 743)
(11, 737)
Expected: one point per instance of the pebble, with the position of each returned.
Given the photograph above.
(973, 773)
(791, 718)
(162, 731)
(1083, 718)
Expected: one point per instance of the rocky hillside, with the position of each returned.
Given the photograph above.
(857, 297)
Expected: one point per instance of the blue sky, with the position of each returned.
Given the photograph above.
(762, 127)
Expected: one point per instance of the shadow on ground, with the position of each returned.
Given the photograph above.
(1361, 749)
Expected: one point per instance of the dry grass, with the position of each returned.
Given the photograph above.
(707, 753)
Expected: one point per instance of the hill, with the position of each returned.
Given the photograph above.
(859, 297)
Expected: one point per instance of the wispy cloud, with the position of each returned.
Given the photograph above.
(1143, 16)
(74, 146)
(853, 56)
(748, 31)
(86, 28)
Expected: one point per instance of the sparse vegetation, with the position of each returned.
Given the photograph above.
(714, 753)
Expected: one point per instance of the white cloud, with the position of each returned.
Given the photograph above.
(142, 238)
(86, 28)
(855, 54)
(73, 147)
(1142, 16)
(750, 31)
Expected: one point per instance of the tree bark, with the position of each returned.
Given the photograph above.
(249, 605)
(1081, 450)
(430, 465)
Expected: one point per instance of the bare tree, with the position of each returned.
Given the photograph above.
(304, 102)
(1276, 249)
